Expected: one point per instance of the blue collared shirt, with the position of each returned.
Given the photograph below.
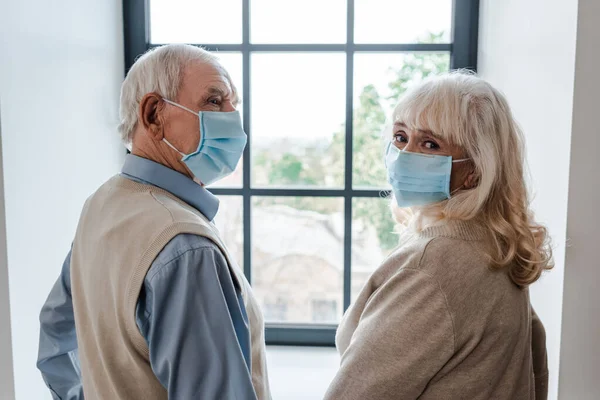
(189, 311)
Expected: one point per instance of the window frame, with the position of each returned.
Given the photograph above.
(463, 55)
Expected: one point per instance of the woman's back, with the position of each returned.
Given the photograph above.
(438, 322)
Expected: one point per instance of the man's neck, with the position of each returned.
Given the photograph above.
(164, 159)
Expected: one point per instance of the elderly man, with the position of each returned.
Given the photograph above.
(149, 304)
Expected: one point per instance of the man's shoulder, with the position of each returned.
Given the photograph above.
(178, 210)
(155, 206)
(185, 243)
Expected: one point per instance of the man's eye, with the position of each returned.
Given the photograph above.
(215, 101)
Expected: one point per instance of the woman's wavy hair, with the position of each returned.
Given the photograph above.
(468, 112)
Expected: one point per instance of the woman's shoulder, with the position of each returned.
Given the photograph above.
(454, 255)
(439, 254)
(453, 260)
(460, 269)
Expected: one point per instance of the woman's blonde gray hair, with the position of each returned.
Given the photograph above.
(468, 112)
(159, 70)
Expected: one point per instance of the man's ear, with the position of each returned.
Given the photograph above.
(151, 115)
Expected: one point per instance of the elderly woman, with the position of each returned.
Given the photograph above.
(447, 315)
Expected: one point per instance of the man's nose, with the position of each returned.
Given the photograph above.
(228, 107)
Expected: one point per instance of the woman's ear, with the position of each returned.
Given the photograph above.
(472, 179)
(151, 115)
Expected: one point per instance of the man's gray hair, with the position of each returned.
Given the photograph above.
(159, 70)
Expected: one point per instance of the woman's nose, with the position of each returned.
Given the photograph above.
(411, 147)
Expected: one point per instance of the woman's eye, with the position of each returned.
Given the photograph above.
(431, 145)
(215, 101)
(400, 139)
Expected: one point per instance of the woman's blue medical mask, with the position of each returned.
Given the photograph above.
(221, 145)
(418, 179)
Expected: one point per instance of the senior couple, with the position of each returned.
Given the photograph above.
(150, 304)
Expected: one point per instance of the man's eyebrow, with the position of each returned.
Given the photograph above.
(235, 99)
(217, 91)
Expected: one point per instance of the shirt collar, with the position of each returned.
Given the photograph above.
(149, 172)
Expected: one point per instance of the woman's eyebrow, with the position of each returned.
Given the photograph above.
(431, 133)
(427, 132)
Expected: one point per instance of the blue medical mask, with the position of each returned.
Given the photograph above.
(222, 143)
(418, 179)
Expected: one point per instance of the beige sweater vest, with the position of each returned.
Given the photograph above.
(123, 227)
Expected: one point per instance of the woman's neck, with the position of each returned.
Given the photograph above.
(426, 217)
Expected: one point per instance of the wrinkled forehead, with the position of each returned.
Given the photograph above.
(203, 78)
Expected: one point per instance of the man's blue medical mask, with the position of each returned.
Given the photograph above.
(221, 145)
(418, 179)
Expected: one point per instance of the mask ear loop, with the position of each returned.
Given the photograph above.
(180, 106)
(461, 187)
(461, 160)
(457, 190)
(173, 147)
(183, 108)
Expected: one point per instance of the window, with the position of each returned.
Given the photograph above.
(275, 310)
(305, 213)
(324, 311)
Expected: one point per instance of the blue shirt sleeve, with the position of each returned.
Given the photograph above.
(194, 321)
(191, 315)
(57, 355)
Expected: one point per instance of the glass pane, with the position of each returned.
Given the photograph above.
(232, 62)
(297, 258)
(200, 22)
(402, 21)
(229, 221)
(276, 21)
(380, 79)
(298, 119)
(373, 238)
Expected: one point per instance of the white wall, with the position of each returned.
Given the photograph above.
(580, 350)
(527, 49)
(7, 390)
(60, 71)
